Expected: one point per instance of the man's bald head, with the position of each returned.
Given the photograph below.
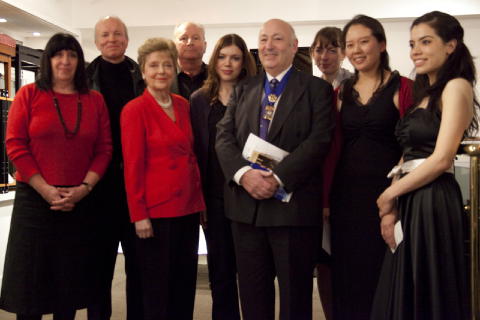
(277, 45)
(111, 38)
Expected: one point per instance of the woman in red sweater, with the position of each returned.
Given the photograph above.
(163, 186)
(58, 138)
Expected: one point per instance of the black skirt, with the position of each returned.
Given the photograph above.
(426, 278)
(48, 263)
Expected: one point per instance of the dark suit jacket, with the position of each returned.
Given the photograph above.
(302, 125)
(199, 112)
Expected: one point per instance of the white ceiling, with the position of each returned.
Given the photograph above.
(20, 24)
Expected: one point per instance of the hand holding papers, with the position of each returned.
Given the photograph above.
(257, 145)
(265, 156)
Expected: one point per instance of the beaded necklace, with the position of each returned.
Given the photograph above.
(69, 134)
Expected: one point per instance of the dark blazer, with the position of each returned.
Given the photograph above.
(199, 112)
(93, 75)
(302, 125)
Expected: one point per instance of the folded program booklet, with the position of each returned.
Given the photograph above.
(265, 156)
(398, 235)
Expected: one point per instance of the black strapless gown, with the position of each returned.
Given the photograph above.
(426, 277)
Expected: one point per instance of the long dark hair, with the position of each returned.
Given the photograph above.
(212, 84)
(459, 63)
(59, 42)
(379, 33)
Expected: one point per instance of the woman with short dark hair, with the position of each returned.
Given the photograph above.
(58, 138)
(327, 51)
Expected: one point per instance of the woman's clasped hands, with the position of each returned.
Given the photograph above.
(63, 198)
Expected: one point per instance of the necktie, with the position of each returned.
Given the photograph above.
(273, 84)
(265, 123)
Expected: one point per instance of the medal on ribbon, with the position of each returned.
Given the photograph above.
(272, 98)
(273, 89)
(268, 115)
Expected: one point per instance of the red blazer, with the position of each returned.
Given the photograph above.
(161, 173)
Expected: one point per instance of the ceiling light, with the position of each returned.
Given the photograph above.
(3, 20)
(36, 34)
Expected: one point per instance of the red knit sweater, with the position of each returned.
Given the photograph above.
(36, 141)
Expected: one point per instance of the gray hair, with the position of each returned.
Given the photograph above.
(114, 18)
(157, 44)
(290, 27)
(186, 23)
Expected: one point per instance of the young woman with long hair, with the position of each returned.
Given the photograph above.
(426, 276)
(370, 106)
(230, 62)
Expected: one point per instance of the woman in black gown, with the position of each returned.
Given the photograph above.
(370, 108)
(426, 276)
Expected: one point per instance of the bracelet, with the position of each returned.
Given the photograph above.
(86, 184)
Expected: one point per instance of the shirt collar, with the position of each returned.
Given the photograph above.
(280, 76)
(203, 71)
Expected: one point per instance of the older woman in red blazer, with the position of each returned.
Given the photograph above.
(163, 186)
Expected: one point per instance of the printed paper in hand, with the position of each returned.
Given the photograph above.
(265, 156)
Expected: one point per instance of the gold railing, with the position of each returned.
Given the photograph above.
(472, 147)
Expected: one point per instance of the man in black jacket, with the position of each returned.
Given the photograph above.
(291, 110)
(119, 79)
(189, 38)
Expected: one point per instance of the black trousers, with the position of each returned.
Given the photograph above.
(64, 315)
(263, 253)
(114, 227)
(168, 263)
(222, 270)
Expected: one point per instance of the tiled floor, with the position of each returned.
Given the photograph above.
(203, 300)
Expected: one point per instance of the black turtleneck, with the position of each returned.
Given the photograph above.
(188, 85)
(116, 85)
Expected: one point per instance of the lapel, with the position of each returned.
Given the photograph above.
(293, 90)
(174, 129)
(253, 102)
(203, 115)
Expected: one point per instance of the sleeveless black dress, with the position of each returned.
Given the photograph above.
(369, 151)
(426, 277)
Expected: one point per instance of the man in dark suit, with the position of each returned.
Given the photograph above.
(119, 80)
(275, 238)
